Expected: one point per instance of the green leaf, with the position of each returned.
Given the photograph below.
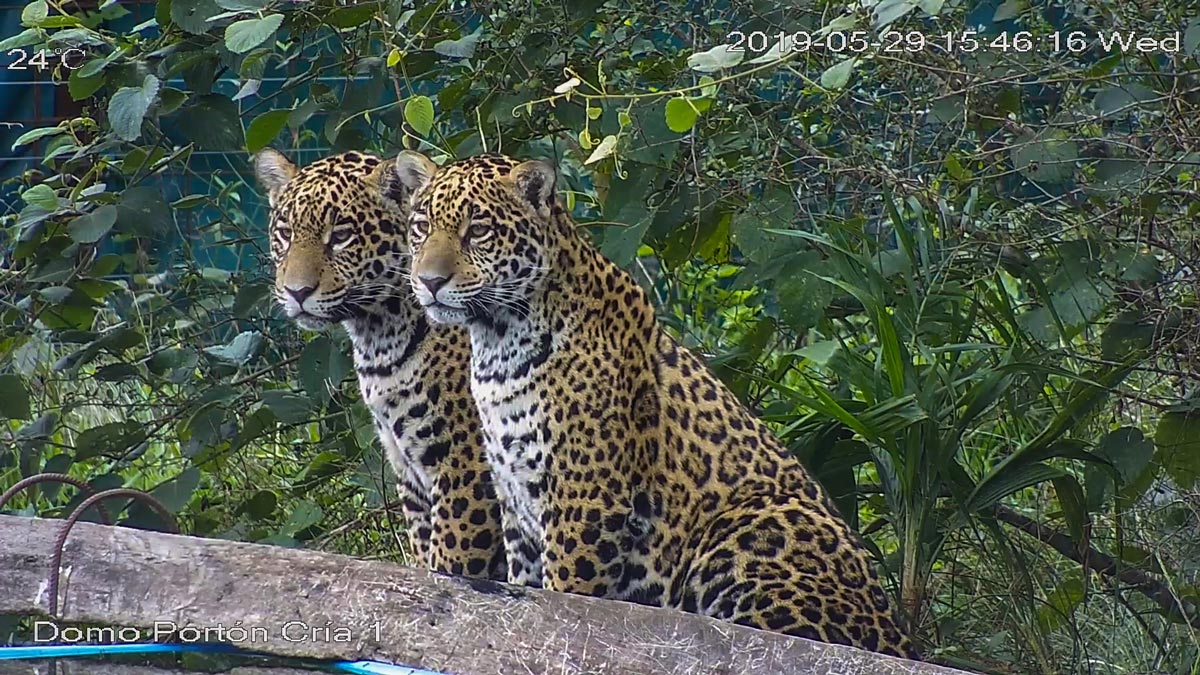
(1009, 480)
(351, 17)
(14, 398)
(1048, 157)
(242, 5)
(177, 492)
(322, 366)
(626, 204)
(305, 515)
(931, 7)
(75, 37)
(27, 37)
(1070, 497)
(1122, 98)
(802, 296)
(1178, 441)
(34, 134)
(193, 16)
(819, 353)
(1007, 10)
(240, 350)
(127, 108)
(256, 424)
(60, 463)
(144, 212)
(35, 13)
(242, 36)
(1128, 452)
(1060, 604)
(717, 58)
(605, 149)
(1191, 38)
(681, 115)
(418, 112)
(81, 86)
(836, 76)
(462, 48)
(117, 372)
(288, 407)
(162, 363)
(108, 439)
(261, 505)
(41, 196)
(889, 11)
(751, 228)
(90, 227)
(264, 128)
(1127, 334)
(248, 297)
(213, 122)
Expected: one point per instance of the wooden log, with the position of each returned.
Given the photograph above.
(307, 604)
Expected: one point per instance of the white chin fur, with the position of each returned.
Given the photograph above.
(447, 315)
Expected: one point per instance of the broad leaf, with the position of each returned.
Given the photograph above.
(14, 398)
(91, 227)
(242, 36)
(264, 128)
(177, 492)
(194, 15)
(240, 350)
(681, 115)
(127, 108)
(213, 122)
(715, 59)
(836, 76)
(418, 112)
(41, 196)
(305, 515)
(462, 48)
(1178, 442)
(35, 13)
(288, 407)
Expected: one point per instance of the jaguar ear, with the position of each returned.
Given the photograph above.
(413, 170)
(273, 170)
(535, 181)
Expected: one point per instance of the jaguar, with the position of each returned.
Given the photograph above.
(626, 469)
(338, 238)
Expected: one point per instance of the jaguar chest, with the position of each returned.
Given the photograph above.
(518, 447)
(393, 391)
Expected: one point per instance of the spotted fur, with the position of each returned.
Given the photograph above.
(339, 244)
(626, 469)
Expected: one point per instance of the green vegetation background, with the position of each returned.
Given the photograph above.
(960, 281)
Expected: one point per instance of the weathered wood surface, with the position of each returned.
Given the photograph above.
(114, 576)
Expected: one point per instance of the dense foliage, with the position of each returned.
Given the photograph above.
(947, 247)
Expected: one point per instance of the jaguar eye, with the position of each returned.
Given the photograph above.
(477, 233)
(418, 225)
(284, 234)
(340, 237)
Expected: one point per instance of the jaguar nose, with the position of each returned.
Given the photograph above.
(433, 282)
(300, 294)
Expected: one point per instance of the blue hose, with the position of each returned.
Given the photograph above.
(76, 651)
